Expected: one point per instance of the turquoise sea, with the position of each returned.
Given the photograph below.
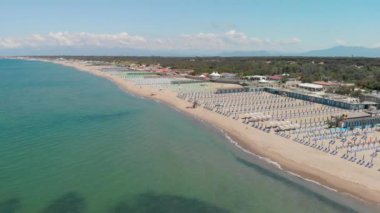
(73, 142)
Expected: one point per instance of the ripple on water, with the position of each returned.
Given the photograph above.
(89, 147)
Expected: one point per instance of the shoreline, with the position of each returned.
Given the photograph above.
(267, 146)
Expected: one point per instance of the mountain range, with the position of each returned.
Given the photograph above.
(338, 51)
(346, 51)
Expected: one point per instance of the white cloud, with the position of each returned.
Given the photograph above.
(252, 42)
(341, 42)
(6, 43)
(377, 45)
(207, 41)
(294, 40)
(235, 40)
(230, 40)
(65, 39)
(235, 36)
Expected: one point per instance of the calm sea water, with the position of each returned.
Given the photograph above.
(72, 142)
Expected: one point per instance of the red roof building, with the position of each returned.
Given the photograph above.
(163, 70)
(326, 84)
(276, 77)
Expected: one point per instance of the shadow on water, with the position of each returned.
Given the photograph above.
(10, 205)
(104, 117)
(72, 120)
(150, 202)
(69, 203)
(337, 206)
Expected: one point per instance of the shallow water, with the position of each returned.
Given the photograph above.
(72, 142)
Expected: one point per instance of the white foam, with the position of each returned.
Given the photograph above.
(275, 163)
(249, 152)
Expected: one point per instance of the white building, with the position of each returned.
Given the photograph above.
(256, 77)
(215, 75)
(311, 87)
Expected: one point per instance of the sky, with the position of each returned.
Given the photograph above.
(187, 25)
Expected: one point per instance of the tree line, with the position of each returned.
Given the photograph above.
(364, 72)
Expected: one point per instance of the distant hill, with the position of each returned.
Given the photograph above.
(339, 51)
(345, 51)
(246, 53)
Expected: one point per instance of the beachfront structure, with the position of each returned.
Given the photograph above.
(226, 80)
(373, 98)
(300, 116)
(340, 103)
(310, 87)
(326, 84)
(360, 122)
(276, 77)
(115, 69)
(329, 101)
(183, 71)
(215, 75)
(292, 83)
(238, 90)
(302, 121)
(256, 78)
(228, 75)
(187, 81)
(242, 101)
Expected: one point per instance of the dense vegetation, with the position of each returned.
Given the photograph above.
(365, 72)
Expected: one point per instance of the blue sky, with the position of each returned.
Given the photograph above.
(210, 25)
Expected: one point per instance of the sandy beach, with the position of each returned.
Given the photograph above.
(336, 173)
